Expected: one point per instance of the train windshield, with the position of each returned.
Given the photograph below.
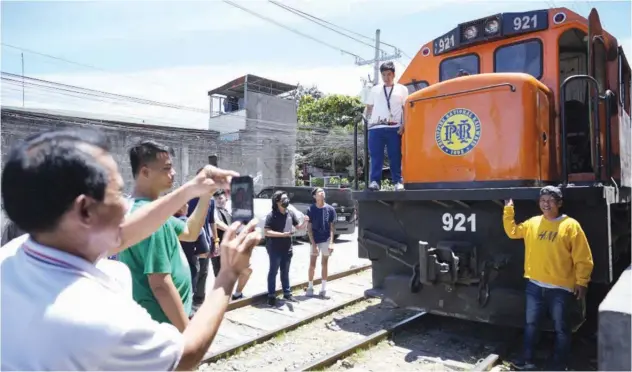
(524, 57)
(457, 66)
(413, 87)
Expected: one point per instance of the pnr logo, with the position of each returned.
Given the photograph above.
(458, 132)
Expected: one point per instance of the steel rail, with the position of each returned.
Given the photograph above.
(229, 351)
(261, 297)
(370, 340)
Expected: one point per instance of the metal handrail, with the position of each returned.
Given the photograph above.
(597, 166)
(511, 87)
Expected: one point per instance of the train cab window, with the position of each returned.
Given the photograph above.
(415, 86)
(456, 66)
(525, 56)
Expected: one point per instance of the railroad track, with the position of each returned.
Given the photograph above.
(329, 334)
(423, 341)
(250, 321)
(353, 331)
(261, 297)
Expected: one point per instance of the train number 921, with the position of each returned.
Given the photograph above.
(459, 222)
(518, 23)
(525, 23)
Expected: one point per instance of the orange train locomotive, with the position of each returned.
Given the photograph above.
(500, 107)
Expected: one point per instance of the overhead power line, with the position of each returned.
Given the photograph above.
(17, 83)
(322, 22)
(34, 81)
(53, 57)
(291, 29)
(318, 21)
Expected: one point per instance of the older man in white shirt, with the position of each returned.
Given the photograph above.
(64, 306)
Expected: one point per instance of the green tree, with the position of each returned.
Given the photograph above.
(326, 127)
(331, 111)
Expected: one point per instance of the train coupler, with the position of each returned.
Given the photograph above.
(450, 262)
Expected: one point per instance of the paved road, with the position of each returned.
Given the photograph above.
(344, 257)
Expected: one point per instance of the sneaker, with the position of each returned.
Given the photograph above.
(323, 294)
(399, 187)
(237, 296)
(289, 298)
(271, 301)
(521, 365)
(373, 186)
(309, 292)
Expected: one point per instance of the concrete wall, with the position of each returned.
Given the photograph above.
(269, 142)
(192, 146)
(228, 123)
(614, 335)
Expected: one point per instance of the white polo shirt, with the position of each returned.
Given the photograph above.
(377, 98)
(60, 312)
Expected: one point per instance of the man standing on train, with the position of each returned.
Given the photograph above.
(558, 264)
(385, 118)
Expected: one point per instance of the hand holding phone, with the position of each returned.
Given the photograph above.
(242, 199)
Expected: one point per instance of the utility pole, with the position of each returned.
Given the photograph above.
(22, 55)
(376, 67)
(379, 57)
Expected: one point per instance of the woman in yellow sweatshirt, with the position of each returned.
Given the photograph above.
(557, 264)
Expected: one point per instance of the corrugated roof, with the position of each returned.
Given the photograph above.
(255, 84)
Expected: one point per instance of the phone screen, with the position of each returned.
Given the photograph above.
(242, 195)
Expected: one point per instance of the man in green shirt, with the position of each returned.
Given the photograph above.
(160, 272)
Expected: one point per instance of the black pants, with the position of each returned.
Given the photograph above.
(194, 265)
(199, 289)
(217, 264)
(280, 260)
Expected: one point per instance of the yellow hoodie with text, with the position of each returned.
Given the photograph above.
(555, 252)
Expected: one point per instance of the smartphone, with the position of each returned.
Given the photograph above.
(242, 199)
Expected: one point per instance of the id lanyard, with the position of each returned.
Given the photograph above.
(388, 101)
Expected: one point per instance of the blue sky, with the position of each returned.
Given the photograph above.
(175, 51)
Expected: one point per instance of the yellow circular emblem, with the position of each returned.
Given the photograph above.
(458, 132)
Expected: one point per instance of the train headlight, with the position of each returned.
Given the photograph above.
(470, 32)
(492, 27)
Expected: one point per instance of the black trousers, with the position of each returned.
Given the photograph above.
(199, 288)
(217, 264)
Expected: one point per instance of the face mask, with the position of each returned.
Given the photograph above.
(285, 202)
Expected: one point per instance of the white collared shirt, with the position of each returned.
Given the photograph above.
(60, 312)
(380, 112)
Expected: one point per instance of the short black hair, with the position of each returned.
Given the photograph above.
(316, 189)
(219, 193)
(276, 197)
(145, 152)
(43, 176)
(553, 191)
(386, 66)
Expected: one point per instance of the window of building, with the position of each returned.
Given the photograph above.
(450, 68)
(525, 56)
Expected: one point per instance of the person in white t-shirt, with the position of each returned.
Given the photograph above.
(385, 117)
(66, 307)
